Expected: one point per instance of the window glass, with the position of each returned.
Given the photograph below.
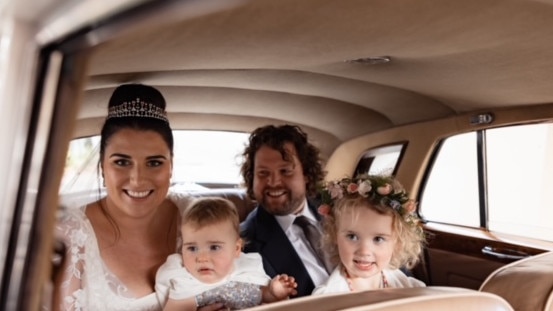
(208, 157)
(380, 161)
(201, 159)
(451, 191)
(81, 172)
(520, 180)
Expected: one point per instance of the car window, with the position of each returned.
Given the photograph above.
(515, 176)
(381, 160)
(452, 186)
(208, 158)
(202, 159)
(80, 173)
(520, 180)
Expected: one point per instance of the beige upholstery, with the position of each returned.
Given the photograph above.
(238, 196)
(396, 299)
(526, 284)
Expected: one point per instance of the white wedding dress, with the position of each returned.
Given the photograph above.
(88, 282)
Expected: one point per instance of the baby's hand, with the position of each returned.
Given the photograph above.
(282, 286)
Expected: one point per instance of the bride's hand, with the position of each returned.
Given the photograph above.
(213, 307)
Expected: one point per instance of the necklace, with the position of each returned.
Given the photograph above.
(383, 280)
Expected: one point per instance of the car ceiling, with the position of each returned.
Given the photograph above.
(285, 61)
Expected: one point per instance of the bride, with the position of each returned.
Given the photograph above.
(115, 244)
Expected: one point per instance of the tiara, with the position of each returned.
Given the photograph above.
(381, 190)
(137, 108)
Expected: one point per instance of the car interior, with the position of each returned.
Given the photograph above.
(454, 98)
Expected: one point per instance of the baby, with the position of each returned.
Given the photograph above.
(212, 268)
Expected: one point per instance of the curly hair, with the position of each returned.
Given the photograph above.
(276, 137)
(409, 238)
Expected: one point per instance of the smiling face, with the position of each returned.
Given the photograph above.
(137, 168)
(365, 243)
(279, 185)
(209, 252)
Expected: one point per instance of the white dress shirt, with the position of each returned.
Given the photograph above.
(301, 244)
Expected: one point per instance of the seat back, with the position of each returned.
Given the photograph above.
(433, 298)
(238, 196)
(527, 284)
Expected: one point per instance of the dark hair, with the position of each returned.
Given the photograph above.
(275, 137)
(125, 94)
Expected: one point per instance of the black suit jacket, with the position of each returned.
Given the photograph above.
(264, 235)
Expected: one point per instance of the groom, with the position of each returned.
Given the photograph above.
(281, 171)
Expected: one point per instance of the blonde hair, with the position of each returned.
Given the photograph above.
(409, 236)
(211, 210)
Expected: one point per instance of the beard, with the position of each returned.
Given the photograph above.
(290, 204)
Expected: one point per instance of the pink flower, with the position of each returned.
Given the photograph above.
(324, 210)
(384, 190)
(410, 206)
(352, 188)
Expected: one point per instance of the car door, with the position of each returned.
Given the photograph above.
(482, 189)
(45, 49)
(486, 202)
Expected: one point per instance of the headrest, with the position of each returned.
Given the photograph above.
(527, 284)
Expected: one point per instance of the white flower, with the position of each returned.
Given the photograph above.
(384, 190)
(364, 188)
(335, 191)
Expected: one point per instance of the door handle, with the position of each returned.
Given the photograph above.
(506, 253)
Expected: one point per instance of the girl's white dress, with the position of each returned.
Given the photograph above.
(90, 283)
(337, 282)
(175, 282)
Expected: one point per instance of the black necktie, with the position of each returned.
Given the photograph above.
(314, 237)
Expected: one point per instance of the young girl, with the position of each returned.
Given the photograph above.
(370, 231)
(212, 268)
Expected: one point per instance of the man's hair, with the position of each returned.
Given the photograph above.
(276, 137)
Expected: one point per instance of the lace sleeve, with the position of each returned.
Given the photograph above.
(69, 285)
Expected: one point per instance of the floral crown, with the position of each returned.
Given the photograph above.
(381, 190)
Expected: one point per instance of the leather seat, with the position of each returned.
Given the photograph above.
(238, 196)
(432, 298)
(527, 284)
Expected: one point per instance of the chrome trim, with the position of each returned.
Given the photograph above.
(38, 149)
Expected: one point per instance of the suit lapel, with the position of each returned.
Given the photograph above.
(279, 252)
